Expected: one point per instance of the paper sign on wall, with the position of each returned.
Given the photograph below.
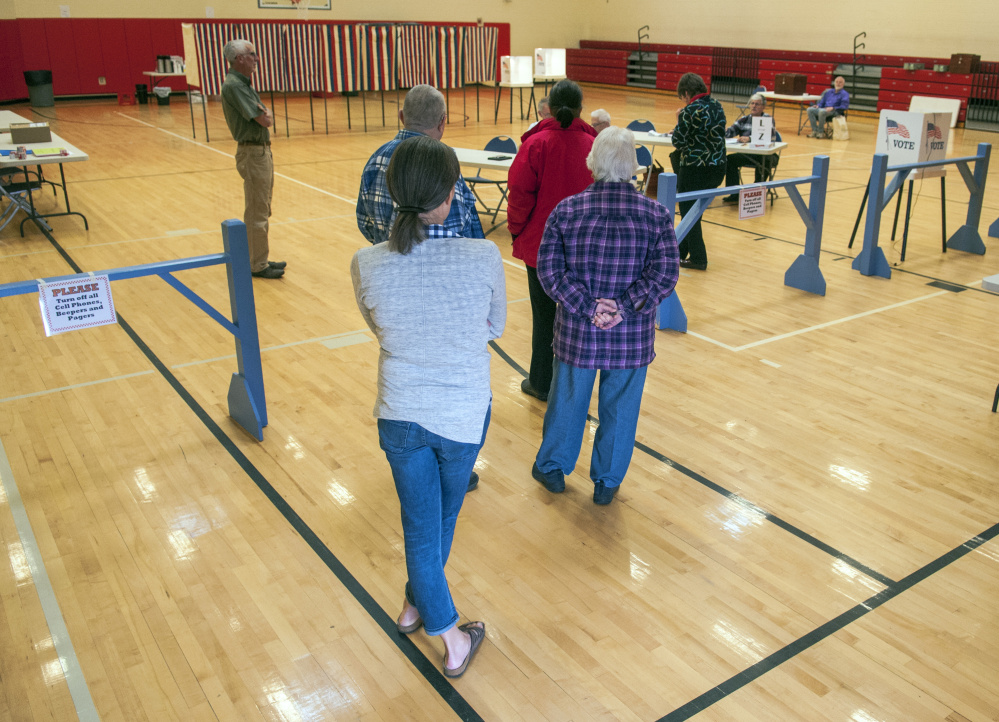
(752, 202)
(763, 131)
(79, 303)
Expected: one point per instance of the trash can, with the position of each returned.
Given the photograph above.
(142, 93)
(39, 88)
(162, 94)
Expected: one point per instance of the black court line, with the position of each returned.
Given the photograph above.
(741, 501)
(824, 631)
(430, 672)
(772, 518)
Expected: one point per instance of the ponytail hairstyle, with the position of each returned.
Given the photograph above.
(420, 178)
(566, 100)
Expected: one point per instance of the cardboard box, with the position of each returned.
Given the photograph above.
(21, 133)
(790, 84)
(964, 63)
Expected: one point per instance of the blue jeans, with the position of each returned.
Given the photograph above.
(431, 477)
(619, 401)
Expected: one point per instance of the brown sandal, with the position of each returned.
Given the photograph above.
(477, 634)
(409, 628)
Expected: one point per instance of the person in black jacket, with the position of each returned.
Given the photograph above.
(699, 158)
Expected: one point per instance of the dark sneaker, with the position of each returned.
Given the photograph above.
(473, 482)
(554, 481)
(268, 272)
(277, 264)
(687, 263)
(603, 495)
(526, 387)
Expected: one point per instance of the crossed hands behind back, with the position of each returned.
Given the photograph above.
(606, 316)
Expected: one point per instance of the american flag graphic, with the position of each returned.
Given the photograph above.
(933, 131)
(897, 129)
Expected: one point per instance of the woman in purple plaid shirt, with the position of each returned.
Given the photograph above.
(608, 258)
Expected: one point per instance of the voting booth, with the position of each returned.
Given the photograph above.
(910, 137)
(516, 70)
(549, 63)
(906, 137)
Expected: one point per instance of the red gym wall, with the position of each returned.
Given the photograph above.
(80, 50)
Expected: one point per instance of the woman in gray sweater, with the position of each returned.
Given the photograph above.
(434, 300)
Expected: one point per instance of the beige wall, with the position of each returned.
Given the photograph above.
(533, 23)
(905, 27)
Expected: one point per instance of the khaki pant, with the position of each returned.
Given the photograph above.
(256, 167)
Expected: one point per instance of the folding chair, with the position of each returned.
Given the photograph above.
(499, 144)
(828, 130)
(15, 196)
(641, 125)
(644, 156)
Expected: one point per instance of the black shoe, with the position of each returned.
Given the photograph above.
(687, 263)
(473, 482)
(603, 495)
(554, 481)
(277, 264)
(526, 387)
(731, 199)
(268, 272)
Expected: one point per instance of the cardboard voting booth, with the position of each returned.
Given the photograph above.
(909, 137)
(516, 70)
(549, 63)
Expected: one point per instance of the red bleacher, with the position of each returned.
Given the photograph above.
(603, 61)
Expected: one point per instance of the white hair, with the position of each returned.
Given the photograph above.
(759, 97)
(600, 116)
(613, 157)
(424, 108)
(234, 48)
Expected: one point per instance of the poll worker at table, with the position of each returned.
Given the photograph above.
(550, 166)
(834, 101)
(424, 112)
(434, 300)
(600, 119)
(699, 158)
(609, 256)
(741, 130)
(248, 120)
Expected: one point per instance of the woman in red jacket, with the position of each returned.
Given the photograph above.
(550, 166)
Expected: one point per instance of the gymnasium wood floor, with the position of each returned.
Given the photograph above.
(807, 531)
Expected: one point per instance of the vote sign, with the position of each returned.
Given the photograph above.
(909, 137)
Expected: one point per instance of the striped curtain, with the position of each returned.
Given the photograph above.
(343, 45)
(306, 56)
(378, 60)
(417, 51)
(211, 39)
(272, 72)
(480, 49)
(449, 57)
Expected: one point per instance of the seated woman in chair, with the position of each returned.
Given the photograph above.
(741, 129)
(833, 102)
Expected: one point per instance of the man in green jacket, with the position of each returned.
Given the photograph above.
(248, 120)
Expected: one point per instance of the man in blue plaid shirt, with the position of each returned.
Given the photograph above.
(424, 112)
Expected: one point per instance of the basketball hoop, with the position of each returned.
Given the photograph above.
(301, 8)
